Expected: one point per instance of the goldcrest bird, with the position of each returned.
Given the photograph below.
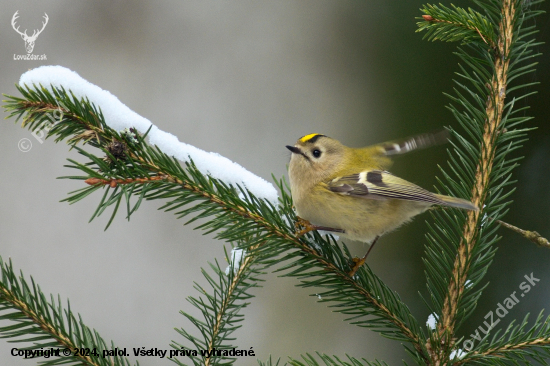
(344, 189)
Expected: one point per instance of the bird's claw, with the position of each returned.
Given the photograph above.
(308, 226)
(303, 226)
(357, 263)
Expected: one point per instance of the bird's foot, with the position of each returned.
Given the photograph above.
(358, 262)
(303, 227)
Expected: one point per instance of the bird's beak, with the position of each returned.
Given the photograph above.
(294, 149)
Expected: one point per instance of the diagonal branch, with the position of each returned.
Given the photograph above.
(46, 326)
(505, 350)
(154, 172)
(496, 351)
(275, 231)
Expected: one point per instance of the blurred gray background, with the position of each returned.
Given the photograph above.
(244, 79)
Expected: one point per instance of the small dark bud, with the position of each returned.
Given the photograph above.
(117, 149)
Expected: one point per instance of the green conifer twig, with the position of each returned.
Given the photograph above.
(46, 324)
(456, 24)
(494, 112)
(219, 309)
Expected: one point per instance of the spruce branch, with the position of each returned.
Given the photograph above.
(456, 24)
(221, 311)
(494, 113)
(515, 344)
(44, 324)
(479, 163)
(267, 229)
(148, 173)
(515, 348)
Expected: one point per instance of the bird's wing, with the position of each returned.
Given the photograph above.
(410, 143)
(378, 184)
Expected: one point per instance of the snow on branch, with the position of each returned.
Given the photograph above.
(118, 116)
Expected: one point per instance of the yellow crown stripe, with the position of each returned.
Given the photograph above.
(306, 138)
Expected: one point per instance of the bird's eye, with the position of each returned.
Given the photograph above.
(316, 153)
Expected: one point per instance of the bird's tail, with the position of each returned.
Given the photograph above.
(456, 202)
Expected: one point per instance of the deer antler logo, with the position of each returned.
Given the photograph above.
(29, 40)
